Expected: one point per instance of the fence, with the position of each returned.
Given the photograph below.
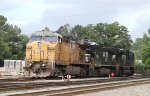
(13, 67)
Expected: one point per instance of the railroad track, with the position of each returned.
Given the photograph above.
(12, 86)
(15, 87)
(22, 84)
(75, 90)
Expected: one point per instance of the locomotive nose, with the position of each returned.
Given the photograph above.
(37, 52)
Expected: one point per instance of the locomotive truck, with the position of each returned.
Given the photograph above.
(51, 54)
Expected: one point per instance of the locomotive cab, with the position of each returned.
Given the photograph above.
(40, 53)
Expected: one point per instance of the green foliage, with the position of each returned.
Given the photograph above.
(111, 35)
(46, 29)
(65, 30)
(2, 21)
(141, 48)
(147, 61)
(5, 50)
(142, 67)
(12, 43)
(138, 47)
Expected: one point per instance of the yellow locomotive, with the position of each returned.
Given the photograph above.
(50, 54)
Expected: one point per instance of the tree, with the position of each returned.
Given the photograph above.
(46, 29)
(146, 48)
(113, 35)
(79, 32)
(138, 47)
(3, 46)
(65, 30)
(2, 21)
(12, 43)
(141, 48)
(23, 39)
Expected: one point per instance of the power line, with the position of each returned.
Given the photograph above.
(79, 15)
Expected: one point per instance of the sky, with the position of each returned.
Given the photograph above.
(35, 15)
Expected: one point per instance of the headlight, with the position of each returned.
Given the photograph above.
(30, 64)
(43, 65)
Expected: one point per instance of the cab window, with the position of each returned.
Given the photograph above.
(105, 54)
(51, 38)
(36, 38)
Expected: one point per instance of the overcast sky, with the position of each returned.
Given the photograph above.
(34, 15)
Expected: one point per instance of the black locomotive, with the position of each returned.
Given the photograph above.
(111, 61)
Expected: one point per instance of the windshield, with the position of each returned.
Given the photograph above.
(36, 38)
(50, 38)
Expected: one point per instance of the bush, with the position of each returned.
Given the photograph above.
(142, 67)
(147, 62)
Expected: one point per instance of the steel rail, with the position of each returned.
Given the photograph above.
(87, 89)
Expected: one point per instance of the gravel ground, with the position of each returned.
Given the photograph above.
(141, 90)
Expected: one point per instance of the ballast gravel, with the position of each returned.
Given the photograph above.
(139, 90)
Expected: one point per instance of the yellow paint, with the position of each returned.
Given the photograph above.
(59, 52)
